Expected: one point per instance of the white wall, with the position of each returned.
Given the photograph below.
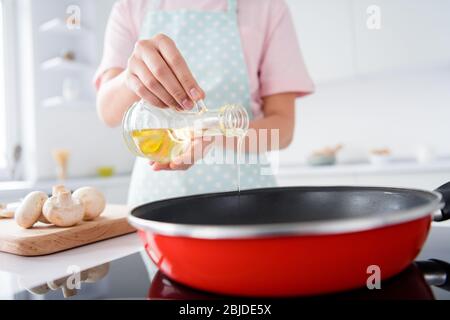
(337, 43)
(414, 34)
(375, 88)
(325, 31)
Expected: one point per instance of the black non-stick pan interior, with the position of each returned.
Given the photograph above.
(283, 205)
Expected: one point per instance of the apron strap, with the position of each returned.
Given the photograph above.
(232, 7)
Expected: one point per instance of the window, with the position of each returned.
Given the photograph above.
(8, 102)
(3, 157)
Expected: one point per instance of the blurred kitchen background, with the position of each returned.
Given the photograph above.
(382, 70)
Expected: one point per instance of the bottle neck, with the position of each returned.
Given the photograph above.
(229, 120)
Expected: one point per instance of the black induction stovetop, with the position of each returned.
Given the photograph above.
(134, 277)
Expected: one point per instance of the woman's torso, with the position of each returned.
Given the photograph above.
(210, 43)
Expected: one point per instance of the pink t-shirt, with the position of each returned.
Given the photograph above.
(270, 45)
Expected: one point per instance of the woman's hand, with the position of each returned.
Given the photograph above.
(158, 73)
(197, 150)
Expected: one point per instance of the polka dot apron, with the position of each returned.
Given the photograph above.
(210, 43)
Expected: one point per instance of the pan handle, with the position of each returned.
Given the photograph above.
(435, 272)
(445, 211)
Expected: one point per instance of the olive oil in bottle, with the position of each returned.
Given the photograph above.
(159, 145)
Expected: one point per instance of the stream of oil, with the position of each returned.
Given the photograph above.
(240, 153)
(239, 158)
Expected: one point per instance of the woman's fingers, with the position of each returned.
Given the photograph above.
(141, 90)
(162, 72)
(178, 65)
(182, 162)
(139, 68)
(198, 149)
(160, 166)
(188, 158)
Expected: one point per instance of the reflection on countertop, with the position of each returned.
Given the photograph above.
(69, 285)
(125, 278)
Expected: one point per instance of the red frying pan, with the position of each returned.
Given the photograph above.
(288, 241)
(414, 283)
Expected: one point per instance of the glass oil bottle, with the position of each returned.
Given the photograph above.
(162, 134)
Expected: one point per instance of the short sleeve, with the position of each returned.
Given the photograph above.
(120, 38)
(282, 68)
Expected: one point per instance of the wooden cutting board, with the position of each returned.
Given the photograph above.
(45, 239)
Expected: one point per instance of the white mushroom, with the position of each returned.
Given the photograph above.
(58, 189)
(62, 210)
(43, 219)
(3, 212)
(9, 210)
(28, 212)
(55, 191)
(93, 201)
(7, 213)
